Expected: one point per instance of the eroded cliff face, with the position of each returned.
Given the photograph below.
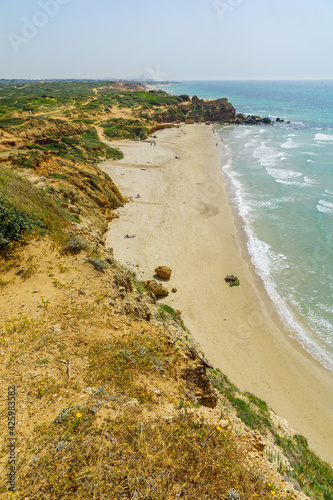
(219, 110)
(197, 110)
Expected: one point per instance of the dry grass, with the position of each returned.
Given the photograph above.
(127, 457)
(120, 362)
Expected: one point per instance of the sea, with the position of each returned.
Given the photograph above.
(280, 182)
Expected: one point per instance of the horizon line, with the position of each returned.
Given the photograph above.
(174, 80)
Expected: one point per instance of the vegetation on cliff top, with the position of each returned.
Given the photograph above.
(25, 209)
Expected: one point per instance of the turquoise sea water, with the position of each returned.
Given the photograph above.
(281, 182)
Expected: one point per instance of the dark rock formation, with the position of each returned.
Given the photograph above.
(251, 120)
(239, 119)
(232, 280)
(200, 385)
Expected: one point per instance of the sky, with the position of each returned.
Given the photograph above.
(166, 40)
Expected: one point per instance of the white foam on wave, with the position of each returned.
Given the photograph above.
(324, 210)
(278, 173)
(309, 161)
(243, 131)
(325, 203)
(326, 308)
(265, 260)
(251, 143)
(271, 203)
(292, 183)
(320, 323)
(267, 156)
(323, 137)
(262, 259)
(327, 191)
(309, 153)
(289, 144)
(309, 181)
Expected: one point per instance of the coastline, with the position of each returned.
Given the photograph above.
(183, 219)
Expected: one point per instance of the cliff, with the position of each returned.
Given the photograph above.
(219, 110)
(113, 396)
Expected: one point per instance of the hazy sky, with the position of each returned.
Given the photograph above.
(173, 39)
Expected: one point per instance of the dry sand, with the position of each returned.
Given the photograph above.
(182, 219)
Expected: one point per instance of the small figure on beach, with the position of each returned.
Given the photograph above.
(130, 236)
(137, 196)
(177, 157)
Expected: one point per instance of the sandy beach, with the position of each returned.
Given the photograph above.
(182, 219)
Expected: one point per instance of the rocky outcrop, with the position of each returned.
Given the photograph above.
(251, 120)
(163, 272)
(232, 280)
(219, 110)
(195, 110)
(156, 288)
(200, 385)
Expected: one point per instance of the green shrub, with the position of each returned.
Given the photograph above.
(313, 474)
(164, 309)
(139, 285)
(124, 128)
(14, 223)
(75, 245)
(98, 264)
(254, 418)
(61, 177)
(25, 161)
(25, 209)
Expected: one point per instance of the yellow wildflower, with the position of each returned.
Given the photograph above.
(78, 415)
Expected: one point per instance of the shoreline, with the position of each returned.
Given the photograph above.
(291, 323)
(183, 208)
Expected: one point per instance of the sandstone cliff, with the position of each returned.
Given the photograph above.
(219, 110)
